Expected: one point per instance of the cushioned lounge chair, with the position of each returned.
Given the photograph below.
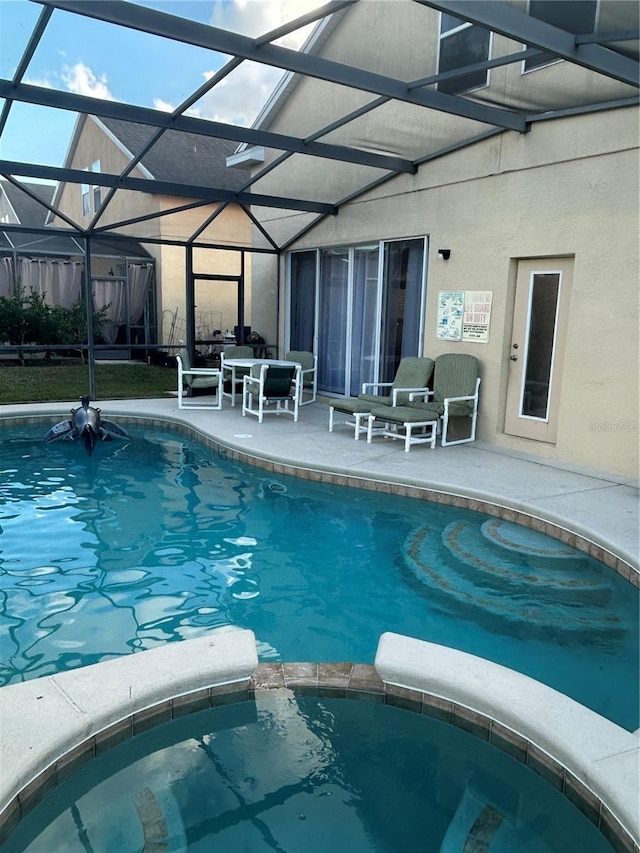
(412, 376)
(455, 395)
(192, 378)
(269, 389)
(308, 375)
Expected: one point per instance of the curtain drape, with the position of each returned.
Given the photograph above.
(6, 277)
(116, 293)
(139, 281)
(303, 300)
(59, 281)
(110, 292)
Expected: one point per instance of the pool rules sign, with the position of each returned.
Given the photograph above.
(464, 316)
(476, 316)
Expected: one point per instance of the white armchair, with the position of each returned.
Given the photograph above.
(190, 378)
(269, 389)
(308, 361)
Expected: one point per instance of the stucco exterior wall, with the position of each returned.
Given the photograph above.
(212, 298)
(567, 188)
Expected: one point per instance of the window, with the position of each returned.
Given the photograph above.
(97, 198)
(86, 203)
(462, 44)
(574, 16)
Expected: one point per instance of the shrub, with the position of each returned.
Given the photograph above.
(28, 319)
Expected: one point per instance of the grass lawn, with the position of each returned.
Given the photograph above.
(43, 384)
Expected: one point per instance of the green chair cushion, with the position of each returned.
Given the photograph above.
(278, 383)
(405, 414)
(353, 405)
(195, 381)
(455, 375)
(413, 372)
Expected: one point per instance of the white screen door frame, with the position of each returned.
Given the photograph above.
(538, 341)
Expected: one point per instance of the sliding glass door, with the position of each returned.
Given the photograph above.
(332, 319)
(367, 307)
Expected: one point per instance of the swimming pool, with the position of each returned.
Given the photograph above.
(159, 539)
(306, 774)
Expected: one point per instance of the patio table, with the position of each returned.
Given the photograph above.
(231, 364)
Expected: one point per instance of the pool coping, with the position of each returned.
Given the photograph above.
(55, 725)
(191, 423)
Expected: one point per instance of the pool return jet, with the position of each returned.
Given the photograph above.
(87, 425)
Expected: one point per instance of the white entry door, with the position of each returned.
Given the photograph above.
(540, 320)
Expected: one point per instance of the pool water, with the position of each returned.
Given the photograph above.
(158, 539)
(307, 776)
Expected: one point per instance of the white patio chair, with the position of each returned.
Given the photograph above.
(191, 378)
(269, 389)
(308, 361)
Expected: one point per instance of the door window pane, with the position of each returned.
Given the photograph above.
(364, 339)
(544, 296)
(401, 304)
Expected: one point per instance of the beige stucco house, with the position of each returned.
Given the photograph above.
(162, 223)
(533, 236)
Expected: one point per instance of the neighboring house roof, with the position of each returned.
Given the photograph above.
(177, 156)
(32, 243)
(27, 210)
(30, 213)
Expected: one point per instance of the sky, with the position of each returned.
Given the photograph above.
(92, 58)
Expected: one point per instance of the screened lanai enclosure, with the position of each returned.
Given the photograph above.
(200, 200)
(123, 294)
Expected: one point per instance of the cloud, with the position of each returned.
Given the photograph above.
(237, 99)
(43, 83)
(164, 106)
(240, 96)
(255, 17)
(80, 79)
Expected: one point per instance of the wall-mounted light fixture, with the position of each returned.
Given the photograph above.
(446, 254)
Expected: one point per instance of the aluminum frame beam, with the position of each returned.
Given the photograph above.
(233, 44)
(79, 176)
(58, 99)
